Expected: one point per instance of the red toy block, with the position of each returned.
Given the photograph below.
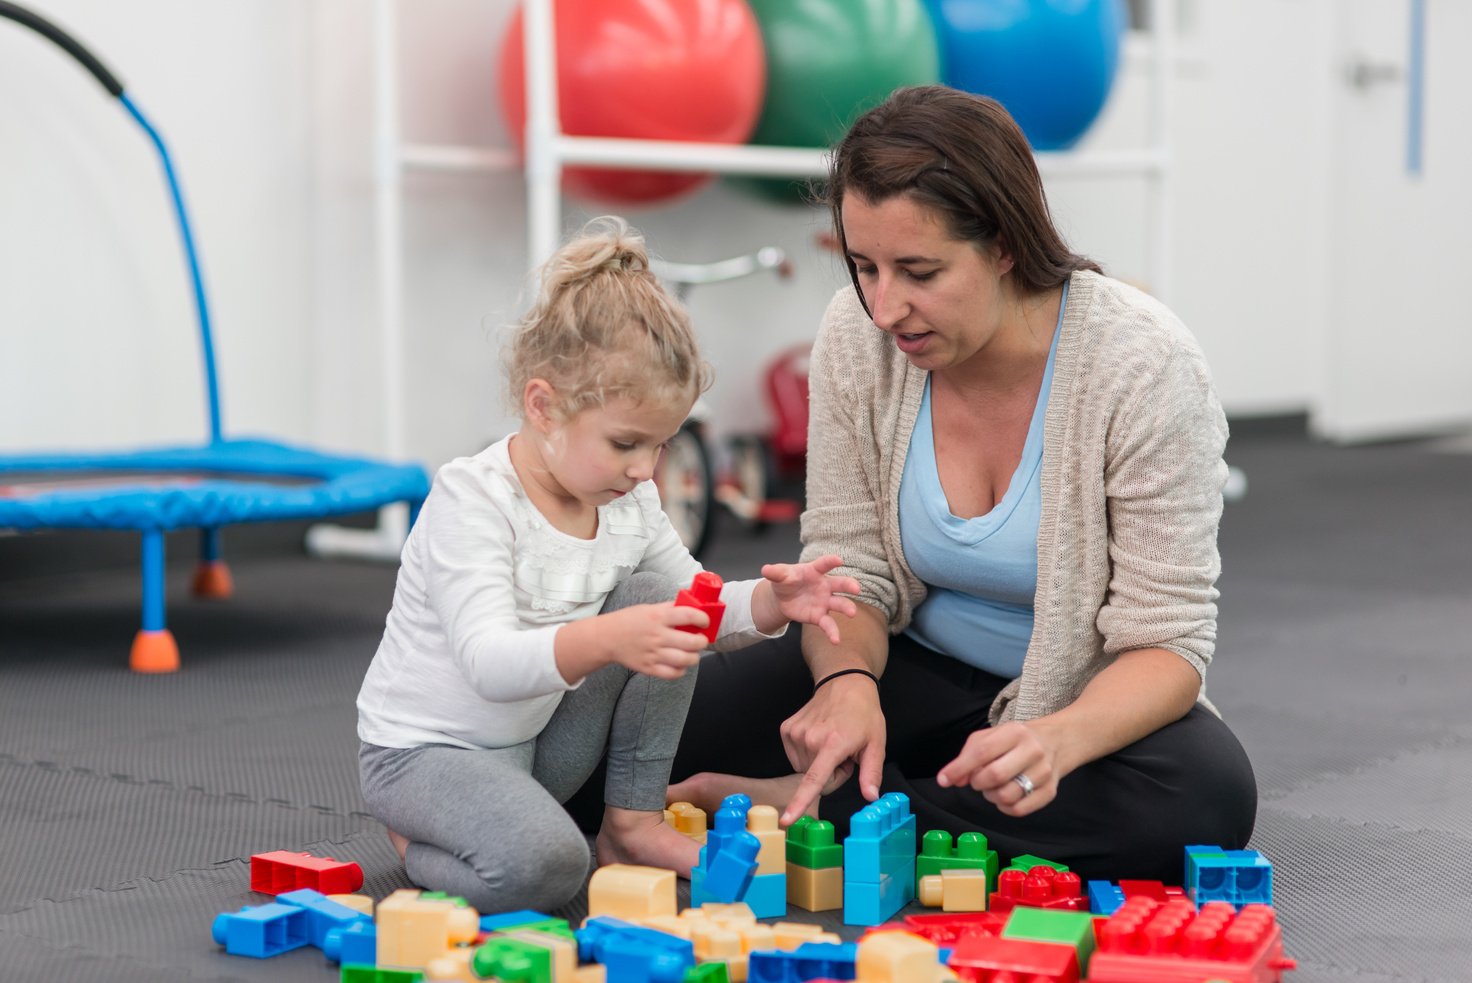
(984, 959)
(1149, 942)
(947, 929)
(704, 593)
(1040, 887)
(1155, 890)
(281, 870)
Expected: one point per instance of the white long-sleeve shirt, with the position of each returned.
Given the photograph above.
(484, 584)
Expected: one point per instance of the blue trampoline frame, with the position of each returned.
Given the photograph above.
(221, 482)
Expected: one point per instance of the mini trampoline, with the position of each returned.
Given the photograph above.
(206, 486)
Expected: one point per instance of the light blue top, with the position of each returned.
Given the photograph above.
(982, 572)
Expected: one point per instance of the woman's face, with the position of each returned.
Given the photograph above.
(939, 298)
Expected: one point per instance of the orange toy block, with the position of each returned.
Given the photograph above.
(413, 931)
(281, 870)
(954, 890)
(812, 889)
(627, 891)
(899, 957)
(771, 858)
(687, 819)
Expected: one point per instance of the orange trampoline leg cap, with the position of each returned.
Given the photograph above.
(212, 580)
(154, 651)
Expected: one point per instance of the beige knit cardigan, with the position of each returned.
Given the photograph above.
(1132, 479)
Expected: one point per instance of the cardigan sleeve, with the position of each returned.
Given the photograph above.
(844, 513)
(1164, 475)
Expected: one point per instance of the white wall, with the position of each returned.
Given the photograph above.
(267, 104)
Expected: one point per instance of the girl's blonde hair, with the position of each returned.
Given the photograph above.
(603, 327)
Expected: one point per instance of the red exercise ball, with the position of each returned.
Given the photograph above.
(690, 70)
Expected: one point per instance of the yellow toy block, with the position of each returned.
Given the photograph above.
(591, 973)
(687, 819)
(761, 822)
(790, 935)
(811, 889)
(357, 902)
(954, 890)
(627, 891)
(899, 957)
(452, 967)
(413, 930)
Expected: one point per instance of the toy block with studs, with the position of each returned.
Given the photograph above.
(262, 931)
(968, 852)
(512, 960)
(415, 928)
(728, 861)
(704, 593)
(1149, 942)
(828, 960)
(525, 919)
(879, 861)
(810, 843)
(1238, 877)
(687, 819)
(1104, 897)
(634, 954)
(954, 890)
(281, 870)
(1041, 887)
(379, 974)
(360, 903)
(355, 944)
(628, 891)
(948, 929)
(815, 890)
(984, 958)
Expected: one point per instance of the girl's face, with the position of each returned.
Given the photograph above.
(604, 451)
(941, 299)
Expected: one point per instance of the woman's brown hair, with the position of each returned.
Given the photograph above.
(965, 157)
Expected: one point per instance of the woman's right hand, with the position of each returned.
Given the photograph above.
(651, 638)
(842, 725)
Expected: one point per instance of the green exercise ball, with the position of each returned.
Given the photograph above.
(828, 62)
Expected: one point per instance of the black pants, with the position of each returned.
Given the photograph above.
(1128, 815)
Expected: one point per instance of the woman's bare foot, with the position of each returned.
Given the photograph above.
(644, 838)
(707, 788)
(400, 842)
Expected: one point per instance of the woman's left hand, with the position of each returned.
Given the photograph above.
(805, 592)
(1003, 763)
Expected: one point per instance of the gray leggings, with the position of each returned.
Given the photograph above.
(488, 825)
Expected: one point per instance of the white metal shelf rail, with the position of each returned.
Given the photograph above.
(549, 150)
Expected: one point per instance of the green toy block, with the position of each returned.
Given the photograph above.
(372, 974)
(441, 896)
(1075, 928)
(714, 972)
(810, 844)
(1026, 862)
(550, 926)
(512, 961)
(969, 853)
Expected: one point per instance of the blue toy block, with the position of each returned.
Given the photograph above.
(809, 961)
(728, 874)
(1238, 877)
(633, 954)
(1104, 898)
(767, 896)
(729, 821)
(323, 914)
(355, 944)
(881, 842)
(871, 904)
(262, 931)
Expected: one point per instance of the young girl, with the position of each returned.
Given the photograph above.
(532, 634)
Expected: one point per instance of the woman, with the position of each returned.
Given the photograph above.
(1020, 460)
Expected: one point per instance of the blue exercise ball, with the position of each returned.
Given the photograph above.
(1050, 62)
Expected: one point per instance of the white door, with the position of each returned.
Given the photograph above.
(1399, 325)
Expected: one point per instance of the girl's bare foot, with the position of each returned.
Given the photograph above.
(644, 838)
(400, 842)
(707, 788)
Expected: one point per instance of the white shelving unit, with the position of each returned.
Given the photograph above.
(549, 151)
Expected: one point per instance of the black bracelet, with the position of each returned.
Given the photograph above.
(845, 672)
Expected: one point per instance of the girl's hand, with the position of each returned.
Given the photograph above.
(804, 592)
(649, 638)
(991, 760)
